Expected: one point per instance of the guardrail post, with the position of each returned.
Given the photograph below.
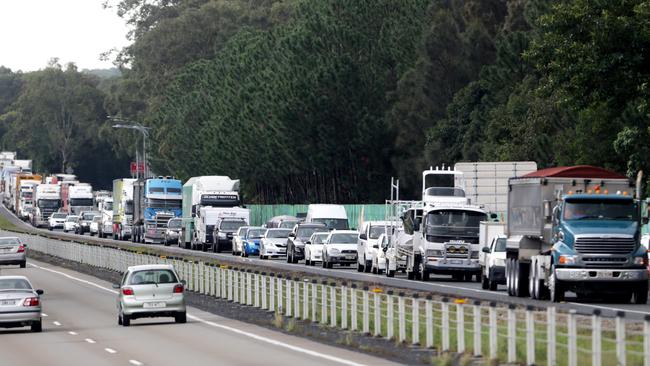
(314, 299)
(264, 280)
(236, 285)
(572, 347)
(195, 275)
(596, 342)
(366, 311)
(280, 296)
(460, 327)
(428, 309)
(512, 334)
(477, 328)
(256, 290)
(289, 299)
(305, 299)
(333, 304)
(272, 292)
(401, 318)
(551, 336)
(230, 283)
(377, 313)
(390, 317)
(223, 279)
(415, 319)
(445, 324)
(201, 270)
(296, 297)
(249, 287)
(344, 305)
(353, 305)
(646, 341)
(493, 330)
(530, 336)
(620, 338)
(323, 304)
(243, 283)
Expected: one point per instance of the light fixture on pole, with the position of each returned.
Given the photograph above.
(145, 133)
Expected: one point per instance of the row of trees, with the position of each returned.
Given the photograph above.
(308, 100)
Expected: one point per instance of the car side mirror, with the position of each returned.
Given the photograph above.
(116, 285)
(645, 220)
(486, 250)
(292, 235)
(363, 236)
(183, 282)
(376, 246)
(40, 292)
(307, 242)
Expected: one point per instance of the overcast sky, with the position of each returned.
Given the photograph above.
(34, 31)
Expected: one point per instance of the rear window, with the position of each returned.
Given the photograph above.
(9, 241)
(343, 238)
(278, 233)
(59, 216)
(153, 276)
(14, 284)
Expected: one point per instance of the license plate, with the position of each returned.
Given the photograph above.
(455, 261)
(153, 305)
(349, 257)
(7, 302)
(606, 274)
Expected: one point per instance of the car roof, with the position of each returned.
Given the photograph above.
(9, 237)
(310, 224)
(278, 229)
(321, 233)
(72, 216)
(144, 267)
(14, 278)
(344, 232)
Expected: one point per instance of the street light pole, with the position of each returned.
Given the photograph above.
(145, 133)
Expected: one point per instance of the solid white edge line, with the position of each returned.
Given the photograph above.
(234, 330)
(110, 350)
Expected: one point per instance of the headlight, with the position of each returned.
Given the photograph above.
(335, 251)
(640, 261)
(474, 254)
(568, 259)
(434, 253)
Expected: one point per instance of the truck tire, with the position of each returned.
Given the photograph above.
(359, 267)
(368, 265)
(641, 294)
(556, 291)
(521, 272)
(389, 273)
(485, 282)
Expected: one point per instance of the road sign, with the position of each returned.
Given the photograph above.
(137, 167)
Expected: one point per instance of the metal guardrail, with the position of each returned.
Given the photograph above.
(492, 332)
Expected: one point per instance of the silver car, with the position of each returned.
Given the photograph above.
(20, 304)
(150, 291)
(13, 251)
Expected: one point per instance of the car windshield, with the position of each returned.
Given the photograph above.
(453, 222)
(255, 233)
(335, 224)
(231, 225)
(14, 241)
(97, 219)
(500, 245)
(89, 216)
(318, 239)
(344, 239)
(288, 224)
(600, 210)
(152, 276)
(108, 206)
(377, 230)
(175, 224)
(59, 216)
(305, 232)
(73, 219)
(284, 233)
(14, 284)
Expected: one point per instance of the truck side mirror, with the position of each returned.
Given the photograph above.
(416, 225)
(547, 210)
(486, 250)
(363, 236)
(493, 216)
(645, 220)
(194, 211)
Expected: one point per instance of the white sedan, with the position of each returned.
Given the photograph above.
(314, 248)
(71, 223)
(340, 247)
(274, 243)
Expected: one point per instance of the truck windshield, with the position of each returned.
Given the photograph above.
(43, 203)
(500, 245)
(158, 203)
(337, 224)
(445, 191)
(453, 222)
(377, 230)
(600, 210)
(86, 202)
(231, 225)
(128, 208)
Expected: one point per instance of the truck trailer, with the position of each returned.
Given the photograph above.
(122, 208)
(575, 229)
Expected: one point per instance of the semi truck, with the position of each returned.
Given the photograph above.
(78, 197)
(575, 229)
(155, 201)
(105, 209)
(122, 208)
(205, 191)
(446, 236)
(47, 200)
(23, 196)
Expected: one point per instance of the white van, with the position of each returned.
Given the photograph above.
(333, 216)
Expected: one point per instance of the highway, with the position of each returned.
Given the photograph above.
(81, 329)
(441, 285)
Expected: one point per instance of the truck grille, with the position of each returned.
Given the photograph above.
(457, 251)
(604, 262)
(605, 245)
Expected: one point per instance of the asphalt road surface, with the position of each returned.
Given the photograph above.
(80, 328)
(442, 285)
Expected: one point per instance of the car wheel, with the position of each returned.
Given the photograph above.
(23, 264)
(37, 326)
(50, 228)
(181, 318)
(368, 265)
(485, 282)
(359, 267)
(330, 265)
(119, 319)
(126, 320)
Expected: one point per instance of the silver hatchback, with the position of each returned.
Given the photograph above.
(20, 304)
(13, 251)
(150, 291)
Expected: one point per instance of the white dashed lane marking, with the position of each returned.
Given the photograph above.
(72, 333)
(57, 324)
(110, 350)
(135, 362)
(91, 341)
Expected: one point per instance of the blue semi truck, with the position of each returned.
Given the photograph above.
(576, 229)
(155, 201)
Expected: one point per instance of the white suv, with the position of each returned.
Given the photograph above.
(56, 221)
(367, 245)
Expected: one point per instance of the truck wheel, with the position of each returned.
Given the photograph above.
(509, 276)
(359, 267)
(521, 271)
(485, 282)
(556, 292)
(641, 294)
(368, 265)
(389, 273)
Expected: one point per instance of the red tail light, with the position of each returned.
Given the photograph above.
(21, 249)
(31, 301)
(178, 289)
(127, 291)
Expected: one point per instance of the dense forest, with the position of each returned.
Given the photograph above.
(324, 101)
